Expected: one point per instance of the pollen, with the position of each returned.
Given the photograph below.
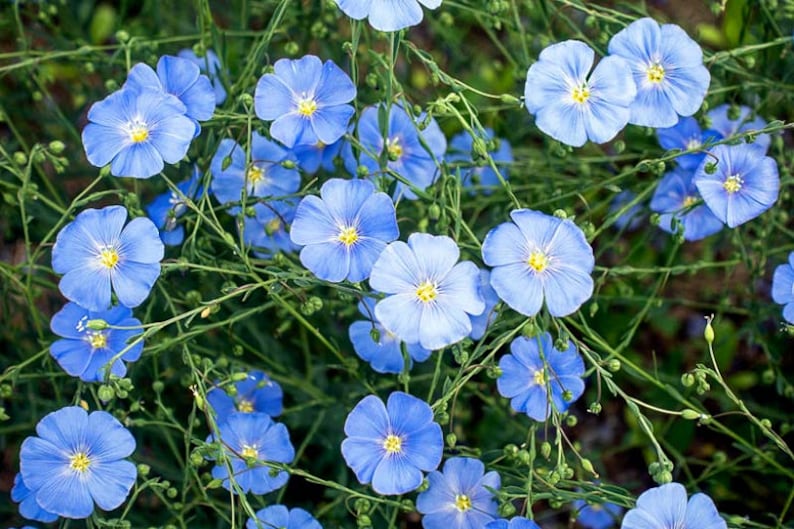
(138, 131)
(254, 175)
(394, 148)
(689, 200)
(538, 261)
(249, 452)
(307, 107)
(693, 144)
(393, 444)
(426, 292)
(580, 94)
(348, 236)
(273, 226)
(539, 377)
(79, 462)
(108, 257)
(732, 184)
(98, 340)
(462, 502)
(245, 406)
(655, 73)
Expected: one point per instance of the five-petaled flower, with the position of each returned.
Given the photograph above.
(727, 122)
(783, 288)
(387, 15)
(539, 257)
(666, 507)
(306, 100)
(677, 200)
(96, 250)
(166, 208)
(430, 296)
(254, 394)
(210, 65)
(78, 460)
(687, 135)
(390, 446)
(280, 517)
(266, 232)
(476, 173)
(569, 106)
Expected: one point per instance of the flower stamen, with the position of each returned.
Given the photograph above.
(348, 236)
(393, 444)
(98, 340)
(538, 261)
(580, 94)
(733, 184)
(255, 174)
(426, 292)
(655, 73)
(79, 462)
(250, 452)
(307, 107)
(108, 257)
(245, 406)
(139, 132)
(462, 502)
(394, 148)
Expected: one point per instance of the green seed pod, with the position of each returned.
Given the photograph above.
(105, 393)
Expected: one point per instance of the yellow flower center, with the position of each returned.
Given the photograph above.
(538, 261)
(688, 201)
(394, 148)
(655, 73)
(580, 94)
(462, 502)
(245, 406)
(693, 144)
(109, 257)
(249, 452)
(139, 132)
(348, 236)
(732, 184)
(97, 340)
(255, 174)
(393, 444)
(426, 292)
(79, 462)
(539, 377)
(307, 107)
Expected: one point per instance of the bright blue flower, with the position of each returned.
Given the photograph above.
(745, 184)
(517, 522)
(306, 100)
(264, 176)
(78, 460)
(136, 131)
(537, 257)
(783, 288)
(210, 65)
(387, 15)
(267, 231)
(87, 353)
(430, 296)
(390, 446)
(631, 219)
(666, 507)
(250, 441)
(403, 143)
(312, 157)
(677, 198)
(96, 250)
(538, 378)
(459, 496)
(668, 70)
(481, 175)
(279, 517)
(165, 209)
(344, 230)
(384, 355)
(255, 394)
(686, 135)
(567, 105)
(727, 127)
(181, 78)
(28, 507)
(480, 322)
(597, 515)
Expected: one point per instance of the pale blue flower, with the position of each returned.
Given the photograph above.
(476, 172)
(677, 199)
(666, 507)
(597, 515)
(687, 135)
(279, 517)
(166, 208)
(28, 506)
(266, 232)
(721, 122)
(569, 106)
(783, 288)
(210, 65)
(516, 522)
(254, 394)
(387, 15)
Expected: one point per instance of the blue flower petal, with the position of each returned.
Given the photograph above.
(396, 475)
(110, 483)
(400, 315)
(133, 282)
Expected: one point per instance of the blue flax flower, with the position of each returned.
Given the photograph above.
(569, 106)
(686, 135)
(668, 70)
(88, 353)
(430, 296)
(475, 171)
(28, 506)
(137, 131)
(384, 354)
(676, 199)
(267, 231)
(255, 394)
(210, 65)
(783, 288)
(312, 157)
(344, 230)
(517, 522)
(597, 515)
(264, 176)
(633, 218)
(390, 446)
(279, 517)
(721, 122)
(250, 441)
(480, 322)
(538, 378)
(459, 497)
(306, 100)
(387, 15)
(180, 78)
(407, 156)
(166, 208)
(539, 257)
(78, 460)
(96, 250)
(666, 507)
(744, 185)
